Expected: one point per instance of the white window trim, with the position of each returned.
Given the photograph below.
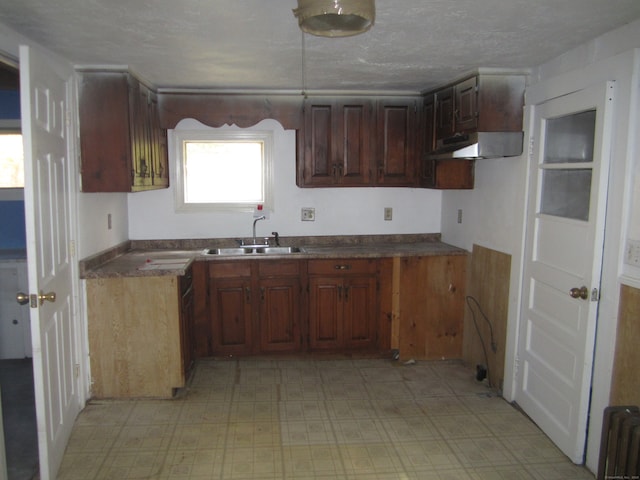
(180, 136)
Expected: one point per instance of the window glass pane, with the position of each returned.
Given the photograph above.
(566, 193)
(569, 139)
(223, 172)
(11, 161)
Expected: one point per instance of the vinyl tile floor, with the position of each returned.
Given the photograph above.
(321, 419)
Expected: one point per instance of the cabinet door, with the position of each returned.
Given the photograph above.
(445, 113)
(353, 143)
(141, 154)
(427, 165)
(325, 313)
(319, 166)
(397, 147)
(105, 132)
(158, 146)
(454, 174)
(231, 309)
(431, 306)
(359, 314)
(202, 326)
(280, 315)
(466, 106)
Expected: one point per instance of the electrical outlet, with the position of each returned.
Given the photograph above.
(109, 221)
(308, 214)
(459, 215)
(388, 213)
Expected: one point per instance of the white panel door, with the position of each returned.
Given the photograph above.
(565, 235)
(45, 95)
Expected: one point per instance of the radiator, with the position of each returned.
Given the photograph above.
(620, 444)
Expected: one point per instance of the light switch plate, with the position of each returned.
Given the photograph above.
(388, 213)
(308, 214)
(632, 253)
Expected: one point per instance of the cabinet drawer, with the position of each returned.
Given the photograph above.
(341, 265)
(230, 269)
(280, 268)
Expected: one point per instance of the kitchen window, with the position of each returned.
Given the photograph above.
(227, 170)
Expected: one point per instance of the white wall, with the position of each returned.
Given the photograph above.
(497, 204)
(492, 211)
(94, 234)
(339, 211)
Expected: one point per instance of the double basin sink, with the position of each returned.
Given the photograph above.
(253, 250)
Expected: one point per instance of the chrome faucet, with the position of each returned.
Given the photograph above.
(254, 227)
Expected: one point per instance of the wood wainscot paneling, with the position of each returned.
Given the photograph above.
(488, 284)
(625, 385)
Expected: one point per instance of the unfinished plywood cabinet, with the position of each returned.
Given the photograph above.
(429, 307)
(138, 336)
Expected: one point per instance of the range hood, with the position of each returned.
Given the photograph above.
(479, 145)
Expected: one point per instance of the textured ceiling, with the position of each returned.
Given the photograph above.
(256, 44)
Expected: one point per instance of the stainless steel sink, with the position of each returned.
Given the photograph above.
(252, 250)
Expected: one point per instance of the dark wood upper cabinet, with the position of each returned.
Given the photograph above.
(481, 103)
(466, 105)
(441, 174)
(397, 149)
(427, 166)
(337, 142)
(445, 112)
(123, 148)
(360, 141)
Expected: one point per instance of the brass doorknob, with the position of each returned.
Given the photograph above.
(582, 292)
(22, 298)
(51, 297)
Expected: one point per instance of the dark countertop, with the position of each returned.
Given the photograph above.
(145, 258)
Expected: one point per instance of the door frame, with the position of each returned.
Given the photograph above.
(13, 62)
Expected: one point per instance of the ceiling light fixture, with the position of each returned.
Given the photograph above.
(335, 18)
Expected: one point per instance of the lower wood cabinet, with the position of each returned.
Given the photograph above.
(262, 306)
(255, 306)
(139, 335)
(231, 307)
(280, 312)
(342, 304)
(430, 306)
